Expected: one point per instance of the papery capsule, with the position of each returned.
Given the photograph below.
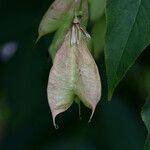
(74, 72)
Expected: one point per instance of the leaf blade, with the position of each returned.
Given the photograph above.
(126, 37)
(97, 9)
(98, 34)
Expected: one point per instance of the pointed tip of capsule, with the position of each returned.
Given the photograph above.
(55, 125)
(37, 40)
(86, 34)
(93, 110)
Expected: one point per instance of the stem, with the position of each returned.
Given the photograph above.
(79, 106)
(77, 12)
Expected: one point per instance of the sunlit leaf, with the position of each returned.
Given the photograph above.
(128, 30)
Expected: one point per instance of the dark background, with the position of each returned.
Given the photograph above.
(25, 118)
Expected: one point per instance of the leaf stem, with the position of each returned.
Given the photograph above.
(79, 106)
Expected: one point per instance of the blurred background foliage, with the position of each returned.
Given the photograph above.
(25, 118)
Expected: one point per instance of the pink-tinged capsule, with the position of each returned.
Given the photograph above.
(74, 72)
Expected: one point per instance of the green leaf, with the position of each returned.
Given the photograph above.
(128, 33)
(146, 118)
(97, 9)
(98, 36)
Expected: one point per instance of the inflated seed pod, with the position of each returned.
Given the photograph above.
(74, 72)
